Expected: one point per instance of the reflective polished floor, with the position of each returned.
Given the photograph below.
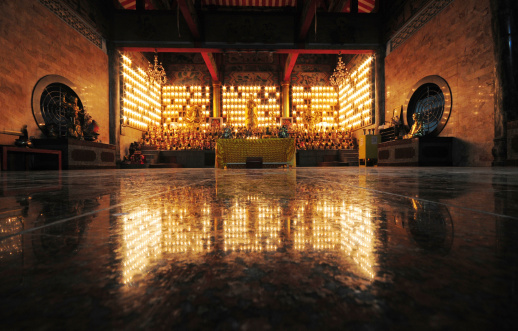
(266, 249)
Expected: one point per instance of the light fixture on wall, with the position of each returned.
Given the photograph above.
(340, 75)
(156, 72)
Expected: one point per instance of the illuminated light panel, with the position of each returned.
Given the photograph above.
(235, 98)
(356, 104)
(357, 238)
(320, 100)
(141, 101)
(177, 101)
(141, 241)
(11, 246)
(335, 226)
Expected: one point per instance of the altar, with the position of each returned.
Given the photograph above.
(273, 151)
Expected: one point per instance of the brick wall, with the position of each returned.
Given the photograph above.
(35, 43)
(456, 45)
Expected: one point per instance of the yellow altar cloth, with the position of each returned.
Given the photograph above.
(272, 150)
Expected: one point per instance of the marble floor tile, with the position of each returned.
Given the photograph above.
(263, 249)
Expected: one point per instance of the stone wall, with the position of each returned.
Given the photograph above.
(35, 43)
(457, 45)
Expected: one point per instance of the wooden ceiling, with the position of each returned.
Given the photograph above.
(296, 32)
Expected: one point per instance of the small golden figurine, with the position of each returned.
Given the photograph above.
(193, 116)
(311, 118)
(417, 129)
(251, 114)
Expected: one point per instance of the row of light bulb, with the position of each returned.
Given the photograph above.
(143, 91)
(141, 103)
(178, 88)
(248, 88)
(325, 96)
(312, 95)
(139, 78)
(194, 101)
(356, 98)
(10, 246)
(186, 95)
(142, 241)
(175, 113)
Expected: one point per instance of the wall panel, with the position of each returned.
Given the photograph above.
(456, 45)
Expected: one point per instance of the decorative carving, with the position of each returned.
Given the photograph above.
(249, 57)
(251, 78)
(188, 75)
(74, 21)
(417, 22)
(310, 79)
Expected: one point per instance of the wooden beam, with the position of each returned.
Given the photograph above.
(360, 31)
(308, 13)
(211, 65)
(354, 6)
(160, 4)
(189, 14)
(219, 50)
(141, 5)
(124, 3)
(291, 59)
(340, 6)
(171, 49)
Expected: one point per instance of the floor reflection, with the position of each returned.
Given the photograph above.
(431, 226)
(208, 219)
(264, 248)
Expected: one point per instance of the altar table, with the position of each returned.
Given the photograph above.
(30, 158)
(274, 151)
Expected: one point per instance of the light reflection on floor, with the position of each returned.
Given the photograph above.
(260, 249)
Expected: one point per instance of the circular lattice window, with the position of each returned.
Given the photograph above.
(431, 98)
(54, 105)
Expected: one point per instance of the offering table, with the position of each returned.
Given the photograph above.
(273, 151)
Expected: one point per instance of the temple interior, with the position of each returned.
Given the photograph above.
(258, 164)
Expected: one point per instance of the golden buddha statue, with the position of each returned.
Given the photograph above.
(251, 114)
(193, 116)
(311, 118)
(417, 129)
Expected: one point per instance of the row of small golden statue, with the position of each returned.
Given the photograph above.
(321, 140)
(180, 139)
(186, 139)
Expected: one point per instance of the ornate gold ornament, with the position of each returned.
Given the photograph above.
(156, 72)
(341, 74)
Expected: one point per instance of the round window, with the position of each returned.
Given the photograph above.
(54, 105)
(431, 98)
